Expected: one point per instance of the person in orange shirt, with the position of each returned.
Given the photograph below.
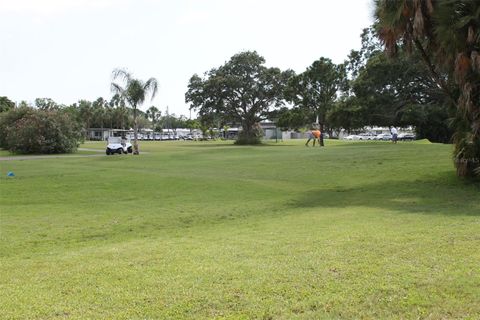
(315, 135)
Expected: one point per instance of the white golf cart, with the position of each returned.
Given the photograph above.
(118, 145)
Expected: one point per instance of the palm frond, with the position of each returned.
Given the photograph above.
(121, 74)
(477, 171)
(151, 86)
(116, 89)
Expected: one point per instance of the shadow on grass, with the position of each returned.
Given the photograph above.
(446, 194)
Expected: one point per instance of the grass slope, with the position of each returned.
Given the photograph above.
(209, 230)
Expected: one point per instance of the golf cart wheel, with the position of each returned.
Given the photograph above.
(107, 152)
(130, 150)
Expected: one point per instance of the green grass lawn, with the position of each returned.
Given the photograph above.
(201, 230)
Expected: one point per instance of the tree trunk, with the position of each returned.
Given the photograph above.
(135, 132)
(321, 120)
(321, 135)
(249, 134)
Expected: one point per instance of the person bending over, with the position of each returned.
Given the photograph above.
(314, 135)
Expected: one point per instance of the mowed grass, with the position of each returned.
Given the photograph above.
(207, 230)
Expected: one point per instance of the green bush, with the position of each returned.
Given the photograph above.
(27, 130)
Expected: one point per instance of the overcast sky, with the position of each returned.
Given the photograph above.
(67, 49)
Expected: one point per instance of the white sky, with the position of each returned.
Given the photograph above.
(67, 49)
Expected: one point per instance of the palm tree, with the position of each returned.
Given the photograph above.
(86, 113)
(99, 113)
(109, 115)
(120, 113)
(154, 114)
(447, 36)
(413, 23)
(458, 34)
(135, 92)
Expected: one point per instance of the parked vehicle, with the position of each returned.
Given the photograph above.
(352, 137)
(118, 145)
(366, 136)
(406, 137)
(191, 137)
(384, 137)
(361, 136)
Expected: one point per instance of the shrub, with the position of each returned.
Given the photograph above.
(8, 118)
(27, 130)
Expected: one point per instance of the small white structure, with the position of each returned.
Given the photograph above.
(98, 134)
(102, 134)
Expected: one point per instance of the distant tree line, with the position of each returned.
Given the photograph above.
(49, 127)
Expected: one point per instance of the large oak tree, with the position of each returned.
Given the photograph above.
(241, 91)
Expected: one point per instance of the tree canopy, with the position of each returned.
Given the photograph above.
(315, 90)
(6, 104)
(241, 91)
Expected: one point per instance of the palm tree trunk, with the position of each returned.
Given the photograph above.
(135, 131)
